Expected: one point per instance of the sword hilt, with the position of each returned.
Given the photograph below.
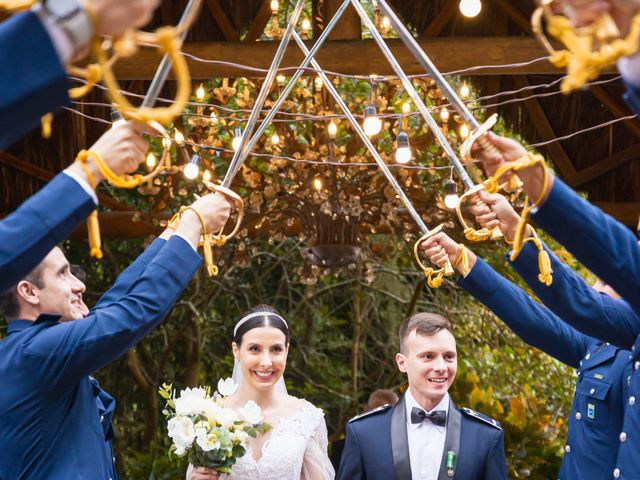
(434, 276)
(220, 238)
(471, 233)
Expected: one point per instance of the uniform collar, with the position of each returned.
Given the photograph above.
(20, 325)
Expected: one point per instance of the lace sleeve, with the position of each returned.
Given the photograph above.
(316, 464)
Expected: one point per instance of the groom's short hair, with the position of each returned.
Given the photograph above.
(423, 323)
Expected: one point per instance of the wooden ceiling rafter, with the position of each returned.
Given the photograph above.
(222, 20)
(559, 156)
(438, 24)
(494, 82)
(604, 166)
(259, 23)
(616, 108)
(515, 14)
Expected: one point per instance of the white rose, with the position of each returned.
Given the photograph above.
(190, 405)
(183, 433)
(205, 441)
(198, 392)
(226, 417)
(251, 413)
(227, 387)
(240, 436)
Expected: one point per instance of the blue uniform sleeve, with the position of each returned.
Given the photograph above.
(577, 303)
(532, 322)
(130, 274)
(598, 241)
(632, 96)
(496, 466)
(33, 82)
(39, 224)
(351, 461)
(64, 353)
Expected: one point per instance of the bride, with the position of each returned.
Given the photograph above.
(296, 446)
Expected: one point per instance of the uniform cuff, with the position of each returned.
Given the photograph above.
(84, 184)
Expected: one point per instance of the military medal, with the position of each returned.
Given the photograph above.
(451, 460)
(591, 411)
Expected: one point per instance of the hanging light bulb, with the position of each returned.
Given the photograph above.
(406, 107)
(386, 24)
(318, 84)
(280, 79)
(450, 194)
(151, 160)
(470, 8)
(166, 142)
(464, 91)
(372, 124)
(206, 176)
(192, 169)
(403, 149)
(464, 131)
(116, 118)
(332, 129)
(237, 138)
(275, 5)
(317, 183)
(444, 115)
(200, 93)
(306, 25)
(179, 137)
(275, 138)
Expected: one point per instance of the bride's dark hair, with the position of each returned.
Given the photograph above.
(270, 318)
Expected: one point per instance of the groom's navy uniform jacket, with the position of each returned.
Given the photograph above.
(377, 446)
(33, 81)
(38, 225)
(55, 421)
(597, 413)
(610, 250)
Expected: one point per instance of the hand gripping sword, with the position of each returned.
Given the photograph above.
(478, 130)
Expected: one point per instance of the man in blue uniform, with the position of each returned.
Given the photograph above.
(54, 419)
(609, 250)
(49, 217)
(425, 435)
(35, 47)
(596, 414)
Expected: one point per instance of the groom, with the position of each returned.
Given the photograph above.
(425, 436)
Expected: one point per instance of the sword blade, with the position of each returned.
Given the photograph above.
(411, 91)
(363, 136)
(426, 63)
(159, 79)
(287, 90)
(238, 157)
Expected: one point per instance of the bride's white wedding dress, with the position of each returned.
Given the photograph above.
(295, 450)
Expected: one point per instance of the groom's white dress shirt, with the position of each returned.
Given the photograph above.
(426, 441)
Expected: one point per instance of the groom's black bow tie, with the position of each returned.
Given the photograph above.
(439, 417)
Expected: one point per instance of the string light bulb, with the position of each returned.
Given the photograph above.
(275, 138)
(332, 129)
(450, 194)
(317, 183)
(318, 84)
(200, 93)
(151, 161)
(470, 8)
(306, 25)
(372, 124)
(179, 137)
(214, 117)
(464, 131)
(464, 91)
(275, 6)
(237, 138)
(280, 79)
(406, 108)
(192, 169)
(206, 176)
(444, 115)
(403, 149)
(166, 142)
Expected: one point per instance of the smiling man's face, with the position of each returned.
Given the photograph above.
(61, 292)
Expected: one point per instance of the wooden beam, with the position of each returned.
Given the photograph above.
(220, 17)
(348, 27)
(626, 213)
(449, 54)
(257, 26)
(604, 166)
(558, 155)
(617, 109)
(515, 14)
(445, 15)
(494, 82)
(45, 175)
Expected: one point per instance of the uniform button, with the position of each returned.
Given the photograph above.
(567, 449)
(630, 357)
(592, 391)
(632, 400)
(623, 437)
(101, 418)
(578, 415)
(588, 356)
(636, 365)
(616, 473)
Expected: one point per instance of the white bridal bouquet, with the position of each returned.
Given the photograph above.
(214, 436)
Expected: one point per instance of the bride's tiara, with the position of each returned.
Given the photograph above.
(254, 315)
